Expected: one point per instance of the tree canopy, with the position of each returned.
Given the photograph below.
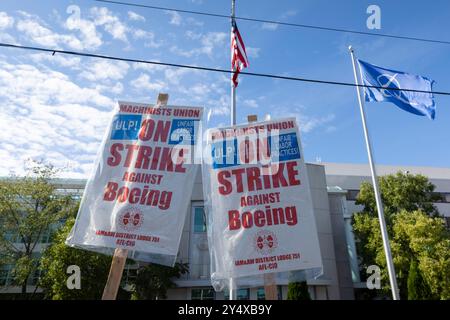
(29, 208)
(416, 231)
(298, 291)
(58, 257)
(153, 281)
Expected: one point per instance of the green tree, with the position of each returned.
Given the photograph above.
(153, 281)
(408, 203)
(29, 208)
(427, 240)
(400, 191)
(417, 287)
(298, 291)
(94, 268)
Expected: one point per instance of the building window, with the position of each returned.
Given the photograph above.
(45, 236)
(202, 294)
(12, 236)
(441, 197)
(35, 277)
(129, 275)
(6, 275)
(241, 294)
(261, 294)
(447, 221)
(199, 220)
(352, 195)
(445, 197)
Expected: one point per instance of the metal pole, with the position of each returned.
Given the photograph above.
(384, 234)
(233, 122)
(233, 89)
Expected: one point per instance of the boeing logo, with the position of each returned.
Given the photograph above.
(389, 82)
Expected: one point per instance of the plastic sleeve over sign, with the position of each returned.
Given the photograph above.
(259, 208)
(139, 192)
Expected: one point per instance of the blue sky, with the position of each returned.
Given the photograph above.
(57, 108)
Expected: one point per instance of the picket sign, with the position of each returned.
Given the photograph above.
(270, 287)
(120, 255)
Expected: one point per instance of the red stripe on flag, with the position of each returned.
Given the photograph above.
(239, 58)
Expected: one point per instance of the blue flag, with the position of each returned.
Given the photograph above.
(418, 103)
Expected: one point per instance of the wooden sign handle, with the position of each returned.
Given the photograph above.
(115, 274)
(163, 98)
(270, 286)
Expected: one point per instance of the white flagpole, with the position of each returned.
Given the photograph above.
(233, 122)
(384, 234)
(233, 88)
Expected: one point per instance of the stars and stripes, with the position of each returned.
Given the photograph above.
(239, 59)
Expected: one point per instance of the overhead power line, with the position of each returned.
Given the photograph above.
(297, 25)
(176, 65)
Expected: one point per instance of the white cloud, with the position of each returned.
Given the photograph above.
(212, 39)
(88, 31)
(110, 22)
(250, 103)
(194, 22)
(147, 36)
(142, 34)
(49, 117)
(120, 30)
(307, 123)
(32, 85)
(105, 70)
(289, 13)
(143, 83)
(133, 16)
(57, 59)
(184, 53)
(269, 26)
(6, 21)
(5, 37)
(208, 42)
(33, 28)
(149, 68)
(175, 18)
(200, 89)
(252, 52)
(116, 89)
(220, 107)
(174, 76)
(193, 35)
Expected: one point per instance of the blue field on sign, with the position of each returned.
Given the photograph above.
(126, 127)
(182, 131)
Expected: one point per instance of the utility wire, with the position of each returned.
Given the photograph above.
(176, 65)
(275, 22)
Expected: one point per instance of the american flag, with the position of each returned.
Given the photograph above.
(239, 59)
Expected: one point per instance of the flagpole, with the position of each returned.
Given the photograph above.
(233, 122)
(384, 234)
(233, 88)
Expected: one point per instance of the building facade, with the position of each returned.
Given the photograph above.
(334, 188)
